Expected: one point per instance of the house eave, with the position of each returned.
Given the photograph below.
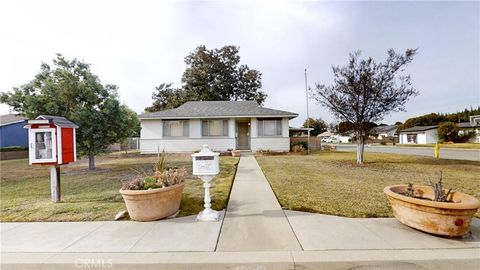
(291, 116)
(11, 123)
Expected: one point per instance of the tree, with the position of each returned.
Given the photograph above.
(166, 97)
(366, 91)
(433, 119)
(71, 90)
(211, 75)
(448, 132)
(318, 125)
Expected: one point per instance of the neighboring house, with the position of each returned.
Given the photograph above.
(329, 137)
(12, 132)
(223, 125)
(471, 127)
(382, 132)
(419, 135)
(325, 136)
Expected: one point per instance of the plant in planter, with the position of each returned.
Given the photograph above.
(432, 208)
(153, 197)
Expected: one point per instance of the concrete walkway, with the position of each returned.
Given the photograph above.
(254, 220)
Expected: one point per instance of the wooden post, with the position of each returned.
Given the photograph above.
(55, 183)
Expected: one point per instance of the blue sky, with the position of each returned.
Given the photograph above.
(140, 44)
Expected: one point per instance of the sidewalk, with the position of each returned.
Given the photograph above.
(171, 235)
(256, 234)
(254, 220)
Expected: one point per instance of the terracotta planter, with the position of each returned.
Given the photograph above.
(153, 204)
(442, 218)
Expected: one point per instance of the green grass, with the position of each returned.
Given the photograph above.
(453, 145)
(87, 196)
(331, 183)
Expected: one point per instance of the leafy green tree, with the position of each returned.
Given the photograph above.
(319, 126)
(211, 75)
(366, 91)
(71, 90)
(448, 132)
(167, 97)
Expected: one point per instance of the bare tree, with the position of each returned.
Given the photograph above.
(365, 91)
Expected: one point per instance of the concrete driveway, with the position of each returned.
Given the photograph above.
(462, 154)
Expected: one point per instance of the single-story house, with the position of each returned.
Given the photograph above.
(419, 135)
(329, 137)
(382, 132)
(223, 125)
(12, 132)
(324, 136)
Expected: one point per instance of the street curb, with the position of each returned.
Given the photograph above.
(325, 259)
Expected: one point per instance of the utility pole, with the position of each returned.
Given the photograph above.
(308, 115)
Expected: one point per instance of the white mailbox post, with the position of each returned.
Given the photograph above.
(206, 166)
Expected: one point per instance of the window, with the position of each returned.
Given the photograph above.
(269, 127)
(43, 145)
(177, 128)
(215, 127)
(411, 138)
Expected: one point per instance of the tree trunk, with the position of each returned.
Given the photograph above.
(91, 163)
(360, 148)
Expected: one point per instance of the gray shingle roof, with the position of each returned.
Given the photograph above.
(384, 129)
(206, 109)
(10, 119)
(58, 120)
(419, 128)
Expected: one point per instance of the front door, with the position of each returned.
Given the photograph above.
(243, 135)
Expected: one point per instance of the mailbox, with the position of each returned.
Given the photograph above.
(205, 162)
(51, 140)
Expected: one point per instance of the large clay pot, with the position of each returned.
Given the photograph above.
(442, 218)
(153, 204)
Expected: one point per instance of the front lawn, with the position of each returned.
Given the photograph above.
(25, 190)
(331, 183)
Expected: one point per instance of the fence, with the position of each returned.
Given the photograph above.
(132, 143)
(315, 142)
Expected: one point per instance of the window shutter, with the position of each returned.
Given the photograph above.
(166, 129)
(204, 128)
(185, 128)
(279, 127)
(225, 128)
(260, 127)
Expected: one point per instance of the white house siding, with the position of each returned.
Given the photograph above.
(253, 128)
(195, 128)
(423, 137)
(151, 129)
(270, 143)
(151, 146)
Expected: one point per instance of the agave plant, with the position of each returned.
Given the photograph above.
(162, 177)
